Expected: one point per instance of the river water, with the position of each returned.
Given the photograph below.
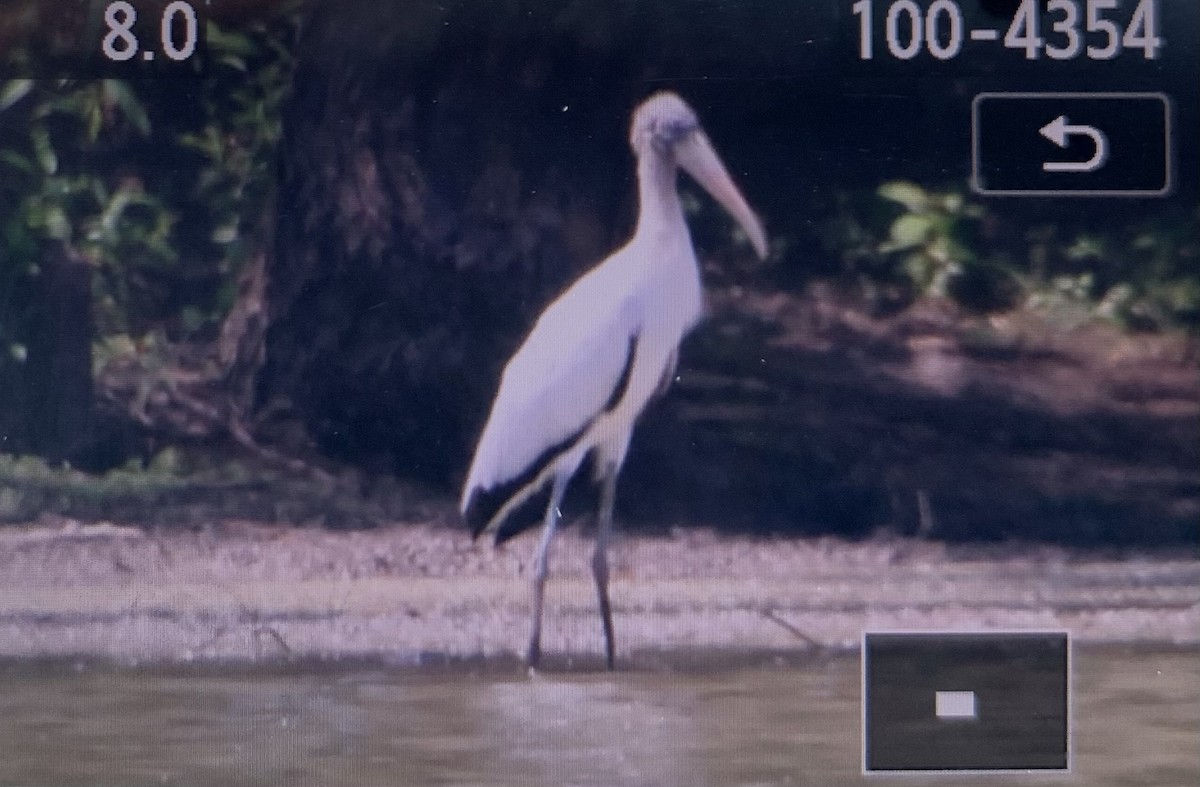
(1137, 714)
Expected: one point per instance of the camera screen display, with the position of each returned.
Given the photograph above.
(585, 392)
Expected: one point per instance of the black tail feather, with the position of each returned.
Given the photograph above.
(485, 503)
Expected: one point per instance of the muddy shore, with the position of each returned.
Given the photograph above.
(418, 593)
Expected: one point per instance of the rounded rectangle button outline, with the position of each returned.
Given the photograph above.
(1168, 169)
(969, 772)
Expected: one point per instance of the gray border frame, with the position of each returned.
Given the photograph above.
(1052, 773)
(1168, 159)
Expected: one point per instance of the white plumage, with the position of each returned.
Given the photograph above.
(601, 351)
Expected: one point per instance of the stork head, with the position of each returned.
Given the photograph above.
(665, 126)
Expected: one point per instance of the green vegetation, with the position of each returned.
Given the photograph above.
(194, 487)
(30, 487)
(160, 186)
(1142, 273)
(243, 103)
(56, 194)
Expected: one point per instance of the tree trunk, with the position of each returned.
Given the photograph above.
(59, 400)
(440, 182)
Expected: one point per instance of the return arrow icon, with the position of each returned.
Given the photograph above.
(1058, 130)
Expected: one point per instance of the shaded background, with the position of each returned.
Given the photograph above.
(375, 200)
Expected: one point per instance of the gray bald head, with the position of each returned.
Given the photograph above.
(665, 127)
(660, 122)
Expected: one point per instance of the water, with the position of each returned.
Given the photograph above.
(1136, 719)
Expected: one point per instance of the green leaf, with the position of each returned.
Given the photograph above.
(1086, 246)
(15, 159)
(908, 231)
(13, 91)
(234, 61)
(43, 150)
(225, 42)
(58, 226)
(908, 194)
(191, 318)
(166, 462)
(120, 93)
(111, 214)
(95, 122)
(920, 269)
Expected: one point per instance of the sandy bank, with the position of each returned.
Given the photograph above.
(404, 593)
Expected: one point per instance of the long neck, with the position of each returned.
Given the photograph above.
(658, 199)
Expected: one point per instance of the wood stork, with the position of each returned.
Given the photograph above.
(600, 352)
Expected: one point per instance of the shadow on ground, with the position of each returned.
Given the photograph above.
(808, 416)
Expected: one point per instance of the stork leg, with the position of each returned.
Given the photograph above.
(604, 521)
(541, 564)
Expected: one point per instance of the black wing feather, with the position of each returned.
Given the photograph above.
(484, 503)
